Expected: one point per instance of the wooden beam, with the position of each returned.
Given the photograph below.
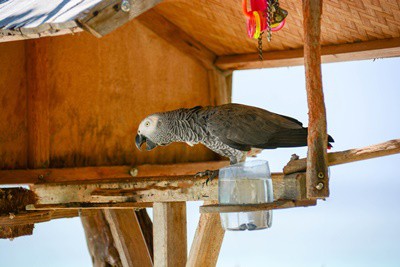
(207, 241)
(38, 105)
(317, 183)
(64, 175)
(128, 238)
(220, 88)
(379, 150)
(280, 204)
(138, 192)
(100, 241)
(107, 16)
(146, 225)
(331, 53)
(170, 238)
(178, 38)
(32, 217)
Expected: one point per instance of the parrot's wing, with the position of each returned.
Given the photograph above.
(242, 127)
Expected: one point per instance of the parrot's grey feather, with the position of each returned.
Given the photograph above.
(243, 127)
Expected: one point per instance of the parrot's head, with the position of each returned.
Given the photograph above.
(153, 131)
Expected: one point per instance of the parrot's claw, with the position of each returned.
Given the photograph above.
(211, 175)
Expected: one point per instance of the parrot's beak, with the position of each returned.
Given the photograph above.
(141, 139)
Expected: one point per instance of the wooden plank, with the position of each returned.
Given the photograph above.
(207, 240)
(105, 172)
(41, 216)
(379, 150)
(280, 204)
(138, 192)
(89, 206)
(317, 183)
(100, 240)
(146, 225)
(331, 53)
(178, 38)
(220, 88)
(13, 231)
(47, 33)
(38, 105)
(107, 16)
(170, 238)
(128, 238)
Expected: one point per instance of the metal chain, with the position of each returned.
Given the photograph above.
(269, 35)
(260, 47)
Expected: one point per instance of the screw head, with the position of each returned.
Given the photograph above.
(125, 6)
(321, 175)
(319, 186)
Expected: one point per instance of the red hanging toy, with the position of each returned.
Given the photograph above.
(257, 20)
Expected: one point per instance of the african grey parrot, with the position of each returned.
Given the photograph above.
(231, 130)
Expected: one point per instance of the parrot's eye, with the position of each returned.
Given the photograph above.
(147, 124)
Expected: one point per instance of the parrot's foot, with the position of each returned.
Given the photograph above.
(211, 175)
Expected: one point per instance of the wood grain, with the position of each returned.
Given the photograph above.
(170, 237)
(13, 106)
(379, 150)
(280, 204)
(55, 175)
(329, 53)
(137, 192)
(207, 240)
(317, 168)
(100, 241)
(128, 238)
(107, 16)
(178, 38)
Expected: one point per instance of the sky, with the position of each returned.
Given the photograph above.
(358, 225)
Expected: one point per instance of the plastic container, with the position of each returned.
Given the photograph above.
(246, 183)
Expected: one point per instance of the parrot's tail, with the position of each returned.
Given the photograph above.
(290, 138)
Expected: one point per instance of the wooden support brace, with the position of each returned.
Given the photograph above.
(207, 241)
(379, 150)
(107, 16)
(170, 238)
(317, 169)
(128, 238)
(178, 38)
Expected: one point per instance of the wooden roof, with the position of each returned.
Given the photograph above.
(349, 27)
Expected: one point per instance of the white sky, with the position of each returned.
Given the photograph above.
(359, 225)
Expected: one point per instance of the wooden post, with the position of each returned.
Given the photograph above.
(317, 170)
(99, 240)
(207, 240)
(170, 240)
(128, 238)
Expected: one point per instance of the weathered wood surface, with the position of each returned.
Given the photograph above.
(107, 16)
(207, 240)
(12, 231)
(128, 238)
(280, 204)
(31, 217)
(54, 175)
(146, 225)
(137, 192)
(178, 38)
(329, 53)
(335, 158)
(100, 241)
(317, 183)
(170, 237)
(13, 95)
(38, 106)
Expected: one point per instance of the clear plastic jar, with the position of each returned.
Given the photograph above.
(246, 183)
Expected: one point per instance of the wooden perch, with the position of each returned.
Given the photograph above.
(280, 204)
(138, 192)
(317, 183)
(379, 150)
